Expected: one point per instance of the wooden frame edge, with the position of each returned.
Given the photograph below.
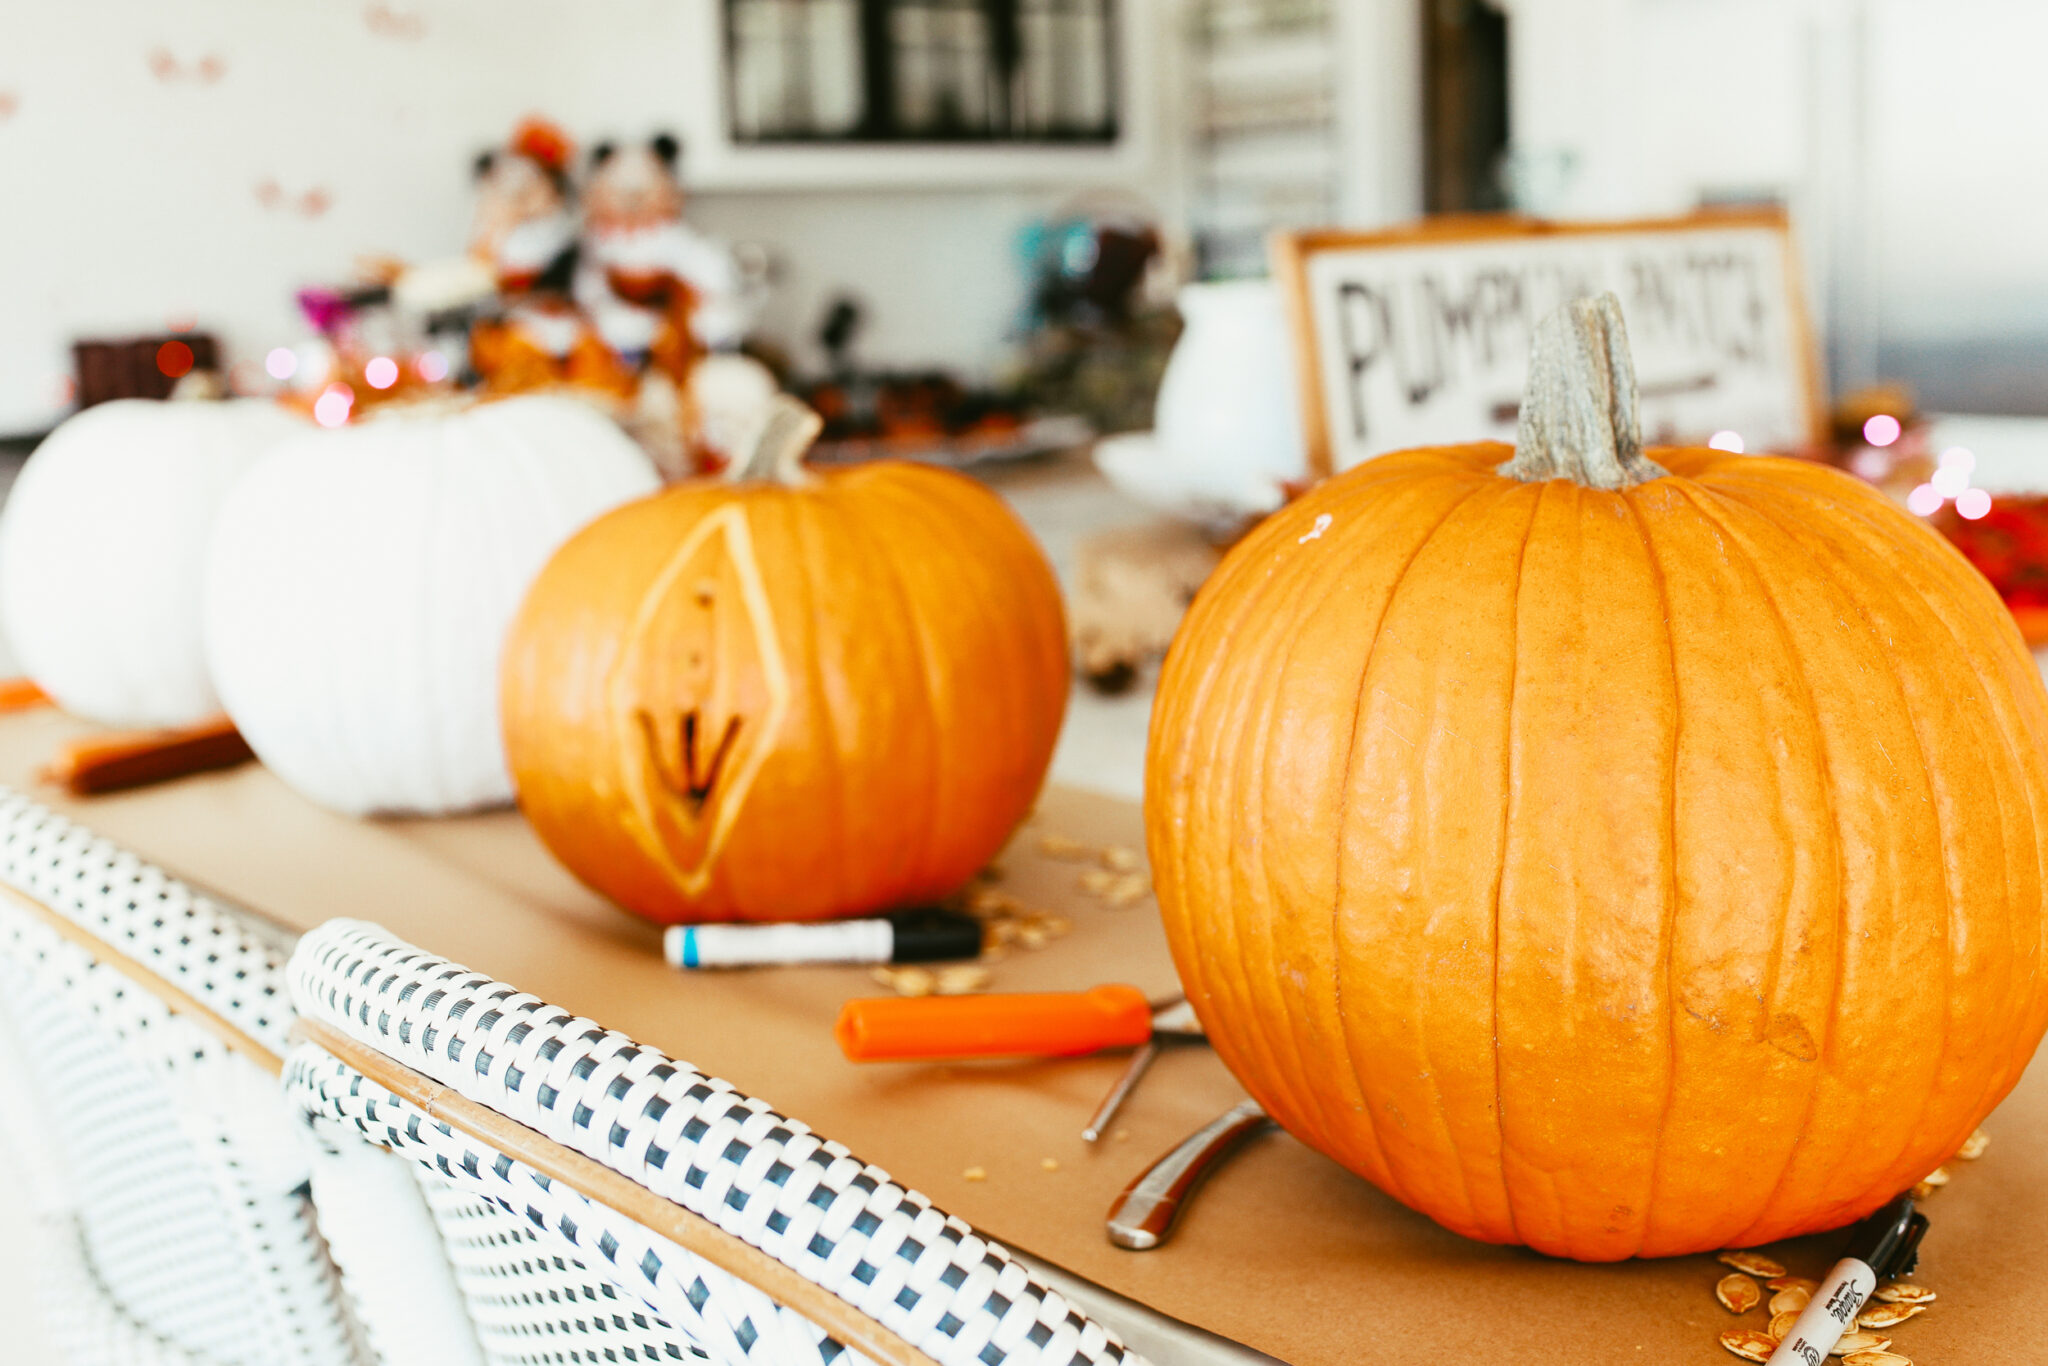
(622, 1195)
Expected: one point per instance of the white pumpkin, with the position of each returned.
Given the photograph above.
(103, 553)
(361, 582)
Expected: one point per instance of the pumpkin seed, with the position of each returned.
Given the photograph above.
(1792, 1283)
(1781, 1324)
(959, 979)
(906, 981)
(1118, 859)
(1130, 889)
(1853, 1343)
(987, 902)
(1888, 1315)
(1921, 1190)
(1737, 1293)
(1060, 846)
(1903, 1292)
(1974, 1146)
(975, 1174)
(1755, 1263)
(1098, 881)
(1051, 1164)
(1876, 1359)
(1938, 1177)
(1749, 1344)
(1791, 1300)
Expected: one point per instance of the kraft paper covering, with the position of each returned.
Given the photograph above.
(1283, 1251)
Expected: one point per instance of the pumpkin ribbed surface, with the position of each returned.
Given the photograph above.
(759, 701)
(1617, 873)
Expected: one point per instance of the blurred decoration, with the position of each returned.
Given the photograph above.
(623, 306)
(390, 21)
(921, 71)
(1101, 322)
(2007, 540)
(1879, 435)
(925, 415)
(206, 69)
(309, 203)
(1226, 441)
(142, 367)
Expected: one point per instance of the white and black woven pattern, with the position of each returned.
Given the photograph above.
(692, 1139)
(214, 955)
(180, 1165)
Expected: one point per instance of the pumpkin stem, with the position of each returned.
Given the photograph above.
(778, 454)
(1579, 411)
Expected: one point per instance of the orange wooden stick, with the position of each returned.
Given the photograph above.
(1050, 1024)
(19, 694)
(123, 759)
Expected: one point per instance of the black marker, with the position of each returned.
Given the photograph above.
(909, 937)
(1884, 1246)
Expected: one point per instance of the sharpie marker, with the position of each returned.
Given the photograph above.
(909, 937)
(1884, 1246)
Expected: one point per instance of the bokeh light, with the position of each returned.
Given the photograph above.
(281, 363)
(1925, 500)
(1882, 430)
(332, 407)
(174, 359)
(1958, 458)
(1950, 481)
(1726, 441)
(381, 372)
(1973, 503)
(433, 367)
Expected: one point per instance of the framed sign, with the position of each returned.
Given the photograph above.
(1419, 336)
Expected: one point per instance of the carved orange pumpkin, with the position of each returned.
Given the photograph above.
(787, 695)
(1619, 855)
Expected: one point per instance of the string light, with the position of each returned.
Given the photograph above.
(1882, 430)
(1725, 441)
(1925, 500)
(281, 363)
(433, 367)
(1973, 503)
(381, 372)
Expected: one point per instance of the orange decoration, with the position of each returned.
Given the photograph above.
(21, 694)
(544, 142)
(788, 695)
(1621, 853)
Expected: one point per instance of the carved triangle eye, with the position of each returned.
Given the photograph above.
(676, 766)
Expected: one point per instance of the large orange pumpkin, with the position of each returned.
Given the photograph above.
(789, 694)
(1616, 854)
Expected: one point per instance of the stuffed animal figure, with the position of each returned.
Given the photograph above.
(525, 231)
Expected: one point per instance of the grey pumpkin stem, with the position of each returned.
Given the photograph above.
(1579, 411)
(778, 454)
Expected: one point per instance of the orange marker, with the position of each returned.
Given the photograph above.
(1051, 1024)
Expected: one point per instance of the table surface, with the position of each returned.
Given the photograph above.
(1283, 1251)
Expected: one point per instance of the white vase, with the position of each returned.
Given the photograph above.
(1227, 425)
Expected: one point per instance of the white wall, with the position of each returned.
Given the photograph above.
(1908, 135)
(128, 202)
